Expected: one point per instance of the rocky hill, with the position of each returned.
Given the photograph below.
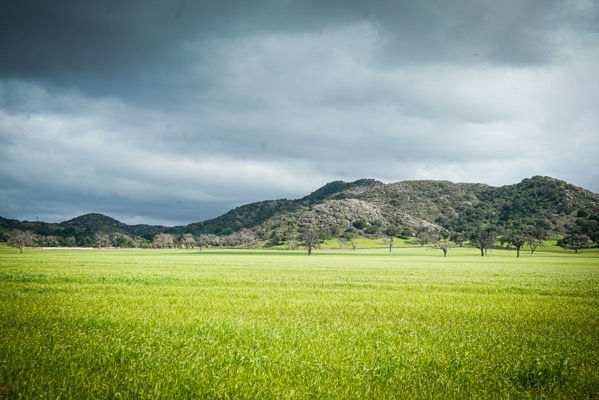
(371, 208)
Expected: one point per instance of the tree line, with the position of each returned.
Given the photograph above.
(584, 233)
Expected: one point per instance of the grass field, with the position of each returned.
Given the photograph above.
(137, 324)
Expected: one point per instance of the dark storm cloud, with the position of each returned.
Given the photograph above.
(179, 110)
(114, 47)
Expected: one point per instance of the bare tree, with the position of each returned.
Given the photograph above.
(21, 239)
(293, 243)
(208, 240)
(248, 239)
(423, 236)
(102, 240)
(533, 243)
(244, 238)
(187, 241)
(342, 241)
(141, 242)
(164, 240)
(391, 233)
(441, 241)
(389, 240)
(50, 241)
(203, 241)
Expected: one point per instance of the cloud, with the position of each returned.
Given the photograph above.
(178, 111)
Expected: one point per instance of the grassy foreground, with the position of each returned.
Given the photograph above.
(410, 324)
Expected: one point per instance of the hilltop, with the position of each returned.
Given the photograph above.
(370, 206)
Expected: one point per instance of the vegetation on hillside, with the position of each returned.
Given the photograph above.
(435, 212)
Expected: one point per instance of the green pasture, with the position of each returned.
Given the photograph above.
(231, 324)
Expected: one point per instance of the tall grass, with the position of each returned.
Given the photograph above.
(252, 324)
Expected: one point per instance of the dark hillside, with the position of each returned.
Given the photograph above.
(246, 216)
(95, 221)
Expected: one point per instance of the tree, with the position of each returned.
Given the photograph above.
(244, 238)
(516, 238)
(102, 240)
(141, 242)
(204, 241)
(342, 241)
(292, 244)
(277, 236)
(405, 233)
(458, 238)
(349, 236)
(423, 236)
(374, 228)
(441, 241)
(533, 243)
(352, 243)
(21, 239)
(391, 233)
(121, 240)
(359, 224)
(69, 241)
(389, 240)
(590, 227)
(311, 239)
(187, 241)
(50, 241)
(164, 240)
(483, 239)
(574, 241)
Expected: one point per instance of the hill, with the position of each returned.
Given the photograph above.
(371, 208)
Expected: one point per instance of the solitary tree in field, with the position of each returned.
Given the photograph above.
(311, 239)
(441, 241)
(483, 239)
(391, 233)
(574, 241)
(516, 238)
(389, 240)
(21, 239)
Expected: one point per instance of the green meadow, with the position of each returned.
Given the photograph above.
(237, 324)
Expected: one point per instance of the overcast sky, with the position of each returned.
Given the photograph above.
(175, 111)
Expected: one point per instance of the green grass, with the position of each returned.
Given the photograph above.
(269, 325)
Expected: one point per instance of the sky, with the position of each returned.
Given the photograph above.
(175, 111)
